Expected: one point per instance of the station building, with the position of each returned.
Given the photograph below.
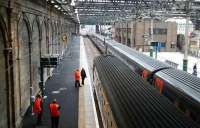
(138, 34)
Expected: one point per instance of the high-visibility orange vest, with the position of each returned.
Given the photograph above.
(37, 105)
(54, 110)
(77, 75)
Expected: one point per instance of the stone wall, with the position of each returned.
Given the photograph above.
(28, 30)
(3, 98)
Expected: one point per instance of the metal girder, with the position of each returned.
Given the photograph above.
(109, 9)
(96, 11)
(64, 7)
(108, 5)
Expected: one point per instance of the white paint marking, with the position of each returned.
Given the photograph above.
(44, 97)
(62, 89)
(55, 92)
(84, 63)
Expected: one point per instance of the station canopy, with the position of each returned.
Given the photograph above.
(109, 11)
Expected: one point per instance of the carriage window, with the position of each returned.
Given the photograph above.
(195, 117)
(159, 84)
(145, 74)
(182, 106)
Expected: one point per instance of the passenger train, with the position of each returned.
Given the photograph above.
(180, 87)
(125, 100)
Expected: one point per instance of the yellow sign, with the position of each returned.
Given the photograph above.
(64, 37)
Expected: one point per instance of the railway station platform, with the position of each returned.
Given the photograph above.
(77, 104)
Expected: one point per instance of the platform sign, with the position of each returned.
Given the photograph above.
(49, 60)
(158, 45)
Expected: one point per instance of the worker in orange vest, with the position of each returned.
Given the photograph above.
(77, 77)
(37, 108)
(55, 114)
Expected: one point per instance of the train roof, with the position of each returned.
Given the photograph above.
(145, 61)
(134, 103)
(188, 85)
(148, 62)
(183, 81)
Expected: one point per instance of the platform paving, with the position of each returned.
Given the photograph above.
(87, 110)
(61, 87)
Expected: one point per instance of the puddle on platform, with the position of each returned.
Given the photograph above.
(55, 92)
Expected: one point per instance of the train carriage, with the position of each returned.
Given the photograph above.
(185, 94)
(176, 85)
(127, 101)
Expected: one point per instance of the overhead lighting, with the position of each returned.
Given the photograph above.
(56, 6)
(52, 2)
(76, 10)
(72, 3)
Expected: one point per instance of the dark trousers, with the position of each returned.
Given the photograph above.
(77, 83)
(54, 122)
(39, 118)
(83, 78)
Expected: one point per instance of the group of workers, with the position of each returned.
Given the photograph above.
(54, 106)
(79, 76)
(54, 111)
